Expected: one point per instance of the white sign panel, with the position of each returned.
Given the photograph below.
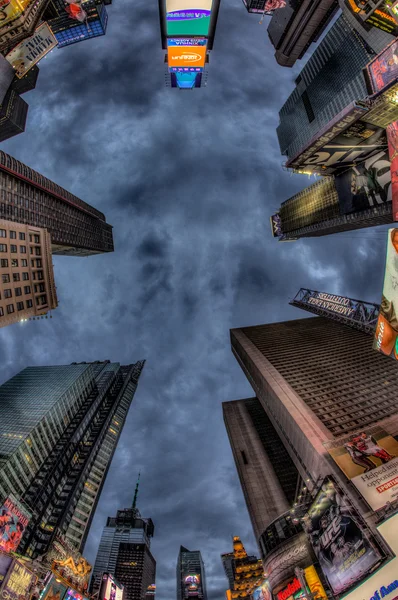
(28, 52)
(383, 585)
(380, 485)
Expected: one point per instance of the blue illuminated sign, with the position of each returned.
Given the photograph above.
(385, 591)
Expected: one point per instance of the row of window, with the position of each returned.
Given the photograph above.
(13, 235)
(20, 306)
(18, 291)
(14, 262)
(15, 277)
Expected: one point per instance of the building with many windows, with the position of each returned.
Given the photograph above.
(59, 430)
(70, 31)
(27, 287)
(191, 578)
(26, 197)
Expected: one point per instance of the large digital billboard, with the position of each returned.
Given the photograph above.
(110, 588)
(188, 17)
(384, 68)
(386, 334)
(186, 52)
(392, 137)
(65, 560)
(28, 52)
(18, 583)
(342, 543)
(369, 459)
(12, 9)
(14, 518)
(54, 590)
(263, 592)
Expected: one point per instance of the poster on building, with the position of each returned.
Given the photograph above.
(12, 9)
(263, 592)
(314, 584)
(383, 69)
(392, 138)
(54, 590)
(188, 17)
(342, 543)
(110, 589)
(370, 460)
(386, 333)
(366, 185)
(32, 49)
(18, 583)
(186, 56)
(65, 560)
(14, 518)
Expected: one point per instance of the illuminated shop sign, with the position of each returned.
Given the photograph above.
(188, 17)
(293, 587)
(14, 519)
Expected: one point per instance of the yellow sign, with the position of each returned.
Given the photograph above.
(314, 583)
(12, 9)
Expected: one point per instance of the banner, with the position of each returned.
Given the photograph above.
(314, 583)
(276, 225)
(341, 541)
(28, 52)
(18, 583)
(370, 460)
(54, 591)
(386, 334)
(384, 68)
(188, 17)
(392, 137)
(14, 518)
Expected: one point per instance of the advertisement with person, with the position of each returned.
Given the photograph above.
(370, 459)
(342, 543)
(188, 17)
(54, 591)
(384, 68)
(263, 592)
(14, 519)
(392, 137)
(386, 333)
(18, 583)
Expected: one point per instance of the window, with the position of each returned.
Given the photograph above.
(1, 312)
(13, 235)
(10, 309)
(3, 233)
(24, 262)
(27, 289)
(5, 278)
(38, 262)
(245, 461)
(25, 276)
(14, 262)
(21, 235)
(16, 277)
(20, 306)
(13, 248)
(3, 247)
(8, 293)
(29, 303)
(4, 263)
(38, 251)
(22, 249)
(37, 239)
(18, 291)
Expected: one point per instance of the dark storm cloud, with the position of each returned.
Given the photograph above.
(188, 180)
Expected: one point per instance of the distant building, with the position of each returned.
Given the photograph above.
(294, 27)
(125, 551)
(27, 287)
(227, 560)
(70, 31)
(26, 197)
(191, 579)
(245, 573)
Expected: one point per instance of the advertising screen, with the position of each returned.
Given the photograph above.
(110, 589)
(54, 591)
(369, 460)
(384, 68)
(263, 592)
(14, 518)
(187, 55)
(386, 334)
(28, 53)
(12, 9)
(314, 583)
(392, 137)
(384, 583)
(5, 563)
(276, 225)
(292, 591)
(188, 17)
(18, 582)
(341, 541)
(72, 594)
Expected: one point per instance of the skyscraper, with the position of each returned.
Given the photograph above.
(294, 27)
(191, 579)
(70, 31)
(76, 228)
(245, 573)
(227, 560)
(125, 551)
(59, 429)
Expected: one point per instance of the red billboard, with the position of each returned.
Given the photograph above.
(14, 519)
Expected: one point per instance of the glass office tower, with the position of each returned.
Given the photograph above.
(59, 429)
(191, 579)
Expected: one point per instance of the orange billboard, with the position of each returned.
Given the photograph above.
(187, 56)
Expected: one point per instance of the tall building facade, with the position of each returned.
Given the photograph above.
(191, 578)
(296, 26)
(227, 560)
(75, 227)
(59, 430)
(329, 82)
(125, 551)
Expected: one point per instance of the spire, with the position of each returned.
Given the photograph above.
(136, 492)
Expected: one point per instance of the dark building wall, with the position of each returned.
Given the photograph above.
(135, 577)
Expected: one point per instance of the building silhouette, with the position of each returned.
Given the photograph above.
(191, 578)
(59, 430)
(125, 551)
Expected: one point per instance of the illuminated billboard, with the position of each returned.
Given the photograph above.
(188, 17)
(18, 583)
(12, 9)
(54, 590)
(65, 560)
(187, 55)
(263, 592)
(369, 460)
(14, 518)
(268, 8)
(293, 590)
(276, 225)
(370, 15)
(342, 543)
(392, 138)
(386, 334)
(110, 588)
(384, 68)
(28, 52)
(314, 583)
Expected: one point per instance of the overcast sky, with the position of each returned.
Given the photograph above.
(189, 180)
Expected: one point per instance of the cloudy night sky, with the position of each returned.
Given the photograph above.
(188, 180)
